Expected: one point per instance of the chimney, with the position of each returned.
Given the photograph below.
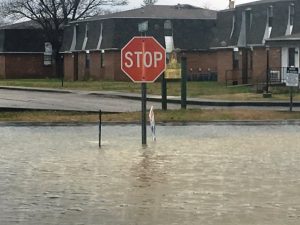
(231, 4)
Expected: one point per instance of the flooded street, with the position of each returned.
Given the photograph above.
(206, 174)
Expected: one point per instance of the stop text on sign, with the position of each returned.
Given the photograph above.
(142, 59)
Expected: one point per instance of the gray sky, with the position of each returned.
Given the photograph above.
(213, 4)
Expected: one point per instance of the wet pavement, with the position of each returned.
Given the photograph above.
(208, 174)
(77, 101)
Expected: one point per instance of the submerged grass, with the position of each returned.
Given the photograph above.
(194, 115)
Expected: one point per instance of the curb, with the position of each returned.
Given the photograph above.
(34, 89)
(172, 101)
(11, 109)
(206, 102)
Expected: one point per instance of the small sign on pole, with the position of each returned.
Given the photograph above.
(143, 27)
(292, 80)
(292, 77)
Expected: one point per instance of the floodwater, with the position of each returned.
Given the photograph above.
(208, 174)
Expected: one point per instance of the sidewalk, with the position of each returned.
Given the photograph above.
(157, 98)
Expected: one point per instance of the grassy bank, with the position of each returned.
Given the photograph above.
(194, 88)
(208, 90)
(160, 116)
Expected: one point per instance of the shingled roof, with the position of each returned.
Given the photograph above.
(26, 36)
(119, 28)
(22, 25)
(179, 11)
(230, 22)
(261, 2)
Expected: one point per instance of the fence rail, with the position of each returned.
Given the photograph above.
(276, 76)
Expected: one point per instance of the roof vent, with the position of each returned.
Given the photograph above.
(231, 4)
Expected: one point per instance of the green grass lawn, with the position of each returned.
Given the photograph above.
(209, 90)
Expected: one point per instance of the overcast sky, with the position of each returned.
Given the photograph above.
(213, 4)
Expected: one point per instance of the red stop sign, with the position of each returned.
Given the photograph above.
(143, 59)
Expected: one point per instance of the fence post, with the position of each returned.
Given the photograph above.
(164, 92)
(183, 81)
(100, 126)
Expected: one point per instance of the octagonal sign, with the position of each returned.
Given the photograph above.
(143, 59)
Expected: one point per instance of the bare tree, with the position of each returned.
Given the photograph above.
(149, 2)
(52, 15)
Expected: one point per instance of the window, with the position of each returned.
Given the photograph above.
(47, 59)
(292, 14)
(87, 30)
(168, 28)
(290, 26)
(270, 20)
(270, 16)
(291, 57)
(48, 54)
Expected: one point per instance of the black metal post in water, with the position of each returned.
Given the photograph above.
(100, 127)
(144, 121)
(183, 81)
(164, 92)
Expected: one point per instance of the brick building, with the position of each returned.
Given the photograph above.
(92, 47)
(234, 44)
(230, 43)
(251, 34)
(24, 53)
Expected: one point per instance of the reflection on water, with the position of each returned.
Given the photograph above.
(191, 175)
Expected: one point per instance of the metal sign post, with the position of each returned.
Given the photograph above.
(292, 80)
(144, 106)
(164, 104)
(143, 60)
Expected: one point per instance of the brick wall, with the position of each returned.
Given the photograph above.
(112, 66)
(260, 61)
(119, 75)
(69, 67)
(26, 66)
(82, 70)
(275, 57)
(224, 63)
(109, 65)
(96, 72)
(201, 62)
(219, 61)
(2, 66)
